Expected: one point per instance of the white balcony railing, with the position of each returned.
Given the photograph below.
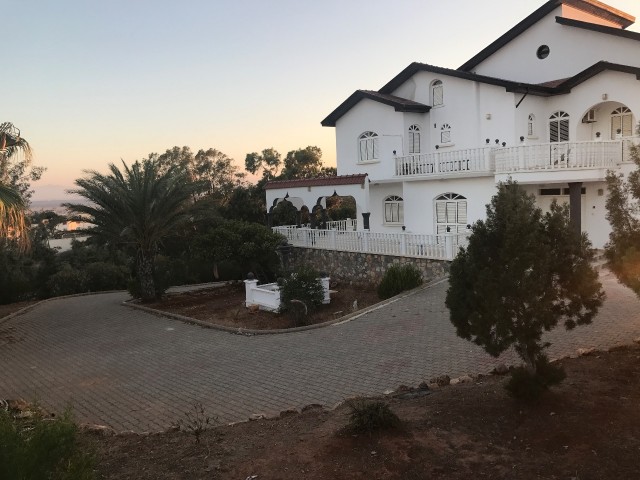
(438, 247)
(563, 156)
(445, 163)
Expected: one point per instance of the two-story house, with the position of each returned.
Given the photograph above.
(553, 103)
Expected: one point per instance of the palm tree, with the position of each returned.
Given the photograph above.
(137, 206)
(12, 205)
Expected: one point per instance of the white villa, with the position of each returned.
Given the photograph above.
(553, 103)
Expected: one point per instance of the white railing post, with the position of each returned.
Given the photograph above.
(448, 244)
(365, 241)
(332, 239)
(403, 244)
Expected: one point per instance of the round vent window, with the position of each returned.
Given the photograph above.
(543, 51)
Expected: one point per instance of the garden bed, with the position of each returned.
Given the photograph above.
(226, 306)
(585, 429)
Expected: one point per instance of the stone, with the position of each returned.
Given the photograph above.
(257, 416)
(312, 406)
(442, 380)
(454, 381)
(288, 412)
(465, 379)
(583, 352)
(501, 369)
(100, 430)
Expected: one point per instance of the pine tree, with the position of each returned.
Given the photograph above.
(522, 272)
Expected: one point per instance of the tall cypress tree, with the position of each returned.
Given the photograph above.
(521, 274)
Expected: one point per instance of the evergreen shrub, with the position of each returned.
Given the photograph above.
(398, 278)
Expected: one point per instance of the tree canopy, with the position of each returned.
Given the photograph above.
(522, 272)
(623, 213)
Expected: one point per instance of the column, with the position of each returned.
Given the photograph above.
(575, 206)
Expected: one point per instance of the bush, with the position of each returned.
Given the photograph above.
(106, 276)
(67, 281)
(398, 278)
(301, 293)
(42, 448)
(528, 386)
(368, 416)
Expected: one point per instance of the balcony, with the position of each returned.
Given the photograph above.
(452, 163)
(593, 158)
(563, 156)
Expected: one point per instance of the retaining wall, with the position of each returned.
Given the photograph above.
(359, 268)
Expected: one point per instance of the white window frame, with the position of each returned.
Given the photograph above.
(561, 122)
(437, 93)
(368, 147)
(622, 113)
(531, 126)
(445, 135)
(414, 139)
(450, 210)
(393, 210)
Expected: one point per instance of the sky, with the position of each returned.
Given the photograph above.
(92, 82)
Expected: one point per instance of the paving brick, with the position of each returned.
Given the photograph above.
(135, 371)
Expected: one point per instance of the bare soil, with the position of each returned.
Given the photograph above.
(10, 308)
(588, 428)
(226, 306)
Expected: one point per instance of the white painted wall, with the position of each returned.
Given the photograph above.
(419, 200)
(376, 117)
(571, 51)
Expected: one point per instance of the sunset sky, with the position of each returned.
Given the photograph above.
(91, 82)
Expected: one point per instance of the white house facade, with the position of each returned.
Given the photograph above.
(553, 103)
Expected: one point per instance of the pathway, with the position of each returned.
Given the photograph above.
(136, 371)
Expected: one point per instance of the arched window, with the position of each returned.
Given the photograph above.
(451, 213)
(531, 126)
(368, 145)
(559, 127)
(393, 209)
(437, 93)
(414, 139)
(445, 133)
(621, 123)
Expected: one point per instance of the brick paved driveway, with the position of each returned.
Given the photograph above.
(133, 370)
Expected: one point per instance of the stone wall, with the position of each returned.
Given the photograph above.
(359, 268)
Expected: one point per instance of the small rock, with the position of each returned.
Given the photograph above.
(257, 416)
(288, 412)
(582, 352)
(442, 380)
(388, 391)
(552, 414)
(501, 369)
(454, 381)
(312, 406)
(465, 379)
(94, 429)
(253, 308)
(434, 386)
(402, 389)
(423, 386)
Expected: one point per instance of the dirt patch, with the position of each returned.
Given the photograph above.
(14, 307)
(587, 428)
(225, 306)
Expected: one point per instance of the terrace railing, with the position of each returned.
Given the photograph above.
(437, 247)
(563, 156)
(445, 163)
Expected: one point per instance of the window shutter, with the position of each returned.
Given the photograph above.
(376, 148)
(564, 130)
(462, 212)
(451, 212)
(438, 97)
(441, 216)
(416, 142)
(627, 126)
(553, 131)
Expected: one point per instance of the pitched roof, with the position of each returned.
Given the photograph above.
(357, 179)
(618, 32)
(592, 6)
(416, 67)
(398, 103)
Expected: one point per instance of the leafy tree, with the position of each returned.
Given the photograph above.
(138, 206)
(522, 273)
(623, 213)
(304, 163)
(269, 160)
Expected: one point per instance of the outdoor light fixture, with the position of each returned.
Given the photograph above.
(488, 140)
(497, 141)
(605, 96)
(522, 138)
(504, 144)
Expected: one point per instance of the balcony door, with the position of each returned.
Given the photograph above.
(621, 123)
(559, 133)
